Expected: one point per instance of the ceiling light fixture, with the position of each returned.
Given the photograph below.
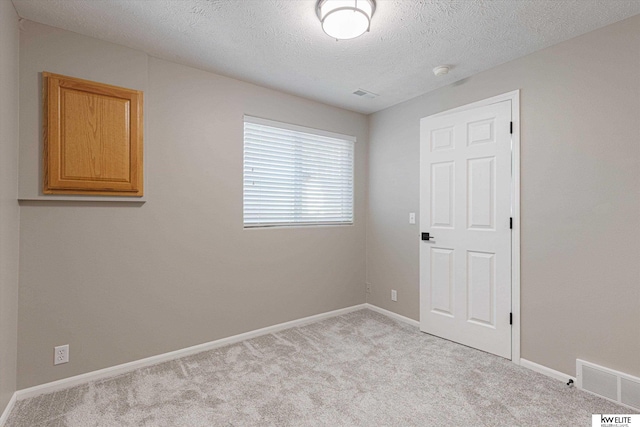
(345, 19)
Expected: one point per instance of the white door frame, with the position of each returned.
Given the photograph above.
(514, 97)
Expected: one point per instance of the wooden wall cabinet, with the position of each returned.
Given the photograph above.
(92, 138)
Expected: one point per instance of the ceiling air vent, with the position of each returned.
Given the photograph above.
(365, 94)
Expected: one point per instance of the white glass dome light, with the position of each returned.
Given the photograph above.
(345, 19)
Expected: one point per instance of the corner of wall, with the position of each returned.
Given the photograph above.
(9, 207)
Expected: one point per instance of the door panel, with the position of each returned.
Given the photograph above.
(442, 139)
(481, 194)
(481, 288)
(481, 132)
(465, 268)
(442, 278)
(442, 194)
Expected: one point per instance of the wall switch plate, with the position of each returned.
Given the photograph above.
(394, 295)
(412, 217)
(61, 354)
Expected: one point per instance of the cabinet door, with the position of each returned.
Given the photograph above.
(92, 138)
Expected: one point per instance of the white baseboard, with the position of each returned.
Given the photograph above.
(153, 360)
(393, 315)
(541, 369)
(5, 414)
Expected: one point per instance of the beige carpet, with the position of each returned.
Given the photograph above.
(359, 369)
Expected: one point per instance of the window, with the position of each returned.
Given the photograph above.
(295, 175)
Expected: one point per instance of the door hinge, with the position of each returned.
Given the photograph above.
(511, 127)
(511, 318)
(511, 223)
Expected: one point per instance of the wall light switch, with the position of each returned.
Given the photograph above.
(394, 295)
(412, 218)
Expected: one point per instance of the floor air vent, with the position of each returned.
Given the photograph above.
(607, 383)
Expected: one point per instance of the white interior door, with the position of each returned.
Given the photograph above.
(465, 206)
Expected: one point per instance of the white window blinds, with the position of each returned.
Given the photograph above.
(295, 175)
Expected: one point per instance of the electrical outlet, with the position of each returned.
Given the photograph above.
(61, 354)
(368, 288)
(394, 295)
(412, 217)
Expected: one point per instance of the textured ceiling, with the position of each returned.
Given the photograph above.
(280, 44)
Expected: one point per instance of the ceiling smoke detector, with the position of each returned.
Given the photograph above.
(365, 94)
(441, 70)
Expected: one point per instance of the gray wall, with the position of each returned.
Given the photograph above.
(580, 197)
(121, 281)
(9, 209)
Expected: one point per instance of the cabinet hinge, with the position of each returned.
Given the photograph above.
(511, 318)
(511, 127)
(511, 223)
